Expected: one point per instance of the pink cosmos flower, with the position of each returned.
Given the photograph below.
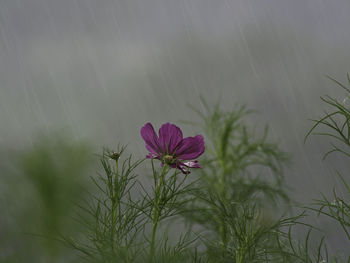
(171, 148)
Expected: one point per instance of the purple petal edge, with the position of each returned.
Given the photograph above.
(151, 139)
(190, 148)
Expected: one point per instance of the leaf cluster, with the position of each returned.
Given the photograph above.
(242, 174)
(117, 220)
(336, 123)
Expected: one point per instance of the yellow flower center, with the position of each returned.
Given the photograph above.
(168, 159)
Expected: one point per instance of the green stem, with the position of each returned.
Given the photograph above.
(114, 204)
(156, 212)
(240, 255)
(223, 192)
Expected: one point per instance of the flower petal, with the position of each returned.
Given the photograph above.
(190, 148)
(151, 138)
(152, 156)
(169, 137)
(179, 165)
(192, 164)
(184, 169)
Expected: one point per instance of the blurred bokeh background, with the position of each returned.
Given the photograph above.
(95, 71)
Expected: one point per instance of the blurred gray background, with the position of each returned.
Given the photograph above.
(101, 69)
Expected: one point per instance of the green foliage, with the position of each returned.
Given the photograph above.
(241, 181)
(337, 124)
(240, 164)
(54, 168)
(234, 209)
(117, 221)
(41, 191)
(111, 225)
(251, 236)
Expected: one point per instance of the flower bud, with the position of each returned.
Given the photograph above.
(114, 156)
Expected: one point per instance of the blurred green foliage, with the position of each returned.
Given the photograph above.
(49, 179)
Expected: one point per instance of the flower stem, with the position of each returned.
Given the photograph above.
(114, 204)
(224, 194)
(156, 212)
